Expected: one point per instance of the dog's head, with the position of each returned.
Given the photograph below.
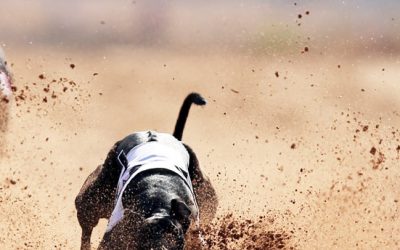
(159, 230)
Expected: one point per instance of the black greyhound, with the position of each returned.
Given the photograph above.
(151, 189)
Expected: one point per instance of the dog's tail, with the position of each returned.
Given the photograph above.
(184, 112)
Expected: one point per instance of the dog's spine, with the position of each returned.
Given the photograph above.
(184, 112)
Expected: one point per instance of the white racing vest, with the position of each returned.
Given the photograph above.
(5, 86)
(5, 81)
(150, 156)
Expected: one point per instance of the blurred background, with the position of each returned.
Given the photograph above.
(302, 122)
(253, 27)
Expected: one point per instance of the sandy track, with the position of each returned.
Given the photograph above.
(298, 147)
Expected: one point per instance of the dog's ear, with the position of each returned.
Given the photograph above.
(180, 211)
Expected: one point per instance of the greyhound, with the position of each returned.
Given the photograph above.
(5, 95)
(151, 189)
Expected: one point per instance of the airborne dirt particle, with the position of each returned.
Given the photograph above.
(13, 182)
(376, 163)
(5, 100)
(72, 66)
(373, 151)
(305, 50)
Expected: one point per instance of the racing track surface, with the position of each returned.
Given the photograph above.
(306, 149)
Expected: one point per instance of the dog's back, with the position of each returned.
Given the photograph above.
(135, 139)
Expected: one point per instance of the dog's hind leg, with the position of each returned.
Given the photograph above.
(85, 238)
(205, 193)
(86, 203)
(96, 197)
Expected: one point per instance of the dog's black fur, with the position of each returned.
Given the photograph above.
(159, 202)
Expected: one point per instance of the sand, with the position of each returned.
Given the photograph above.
(306, 148)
